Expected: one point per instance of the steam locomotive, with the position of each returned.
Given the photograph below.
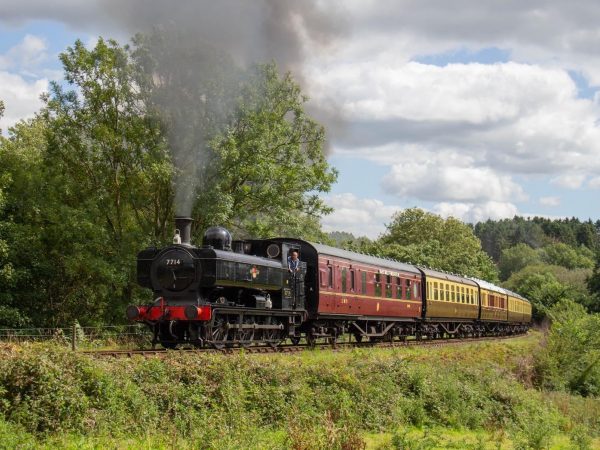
(240, 293)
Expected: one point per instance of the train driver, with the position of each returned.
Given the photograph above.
(293, 262)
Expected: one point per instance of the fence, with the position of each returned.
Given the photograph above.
(75, 336)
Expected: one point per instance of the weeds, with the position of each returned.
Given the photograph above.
(315, 400)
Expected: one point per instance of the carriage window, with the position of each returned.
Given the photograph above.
(407, 289)
(352, 281)
(398, 287)
(388, 290)
(388, 279)
(447, 292)
(377, 278)
(462, 294)
(329, 276)
(344, 279)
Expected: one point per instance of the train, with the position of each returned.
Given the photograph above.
(227, 293)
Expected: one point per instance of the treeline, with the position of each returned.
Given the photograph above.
(546, 260)
(92, 179)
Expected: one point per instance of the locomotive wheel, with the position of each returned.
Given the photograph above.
(218, 333)
(273, 337)
(246, 335)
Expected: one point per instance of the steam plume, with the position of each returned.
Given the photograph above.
(196, 61)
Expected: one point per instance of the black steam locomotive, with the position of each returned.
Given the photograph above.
(220, 294)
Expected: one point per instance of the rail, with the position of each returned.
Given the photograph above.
(291, 348)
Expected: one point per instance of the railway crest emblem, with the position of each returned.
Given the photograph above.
(254, 272)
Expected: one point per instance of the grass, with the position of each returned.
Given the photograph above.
(477, 395)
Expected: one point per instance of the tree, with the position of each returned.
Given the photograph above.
(516, 258)
(560, 254)
(446, 244)
(247, 156)
(570, 357)
(271, 154)
(22, 268)
(540, 286)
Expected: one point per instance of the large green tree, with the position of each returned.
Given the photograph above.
(266, 169)
(427, 239)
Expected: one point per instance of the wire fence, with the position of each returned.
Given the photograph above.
(78, 337)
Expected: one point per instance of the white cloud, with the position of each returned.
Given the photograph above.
(594, 183)
(470, 212)
(26, 55)
(21, 98)
(550, 201)
(569, 180)
(359, 216)
(439, 181)
(461, 132)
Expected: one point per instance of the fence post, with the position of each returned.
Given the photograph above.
(74, 336)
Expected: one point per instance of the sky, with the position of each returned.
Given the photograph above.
(471, 109)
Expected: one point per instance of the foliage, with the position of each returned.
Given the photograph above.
(570, 357)
(593, 285)
(560, 254)
(314, 400)
(516, 258)
(250, 156)
(536, 232)
(539, 285)
(426, 239)
(272, 154)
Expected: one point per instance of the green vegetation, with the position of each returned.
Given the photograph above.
(427, 239)
(391, 398)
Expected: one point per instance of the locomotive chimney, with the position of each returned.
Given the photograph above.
(183, 228)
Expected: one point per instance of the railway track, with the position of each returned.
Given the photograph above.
(290, 348)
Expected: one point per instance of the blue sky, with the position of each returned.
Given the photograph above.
(476, 109)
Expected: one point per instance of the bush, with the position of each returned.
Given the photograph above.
(311, 400)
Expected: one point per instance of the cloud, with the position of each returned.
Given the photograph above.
(513, 117)
(569, 181)
(470, 212)
(21, 98)
(359, 216)
(594, 183)
(440, 181)
(26, 55)
(550, 201)
(460, 133)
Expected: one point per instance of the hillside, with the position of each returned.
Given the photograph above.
(478, 395)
